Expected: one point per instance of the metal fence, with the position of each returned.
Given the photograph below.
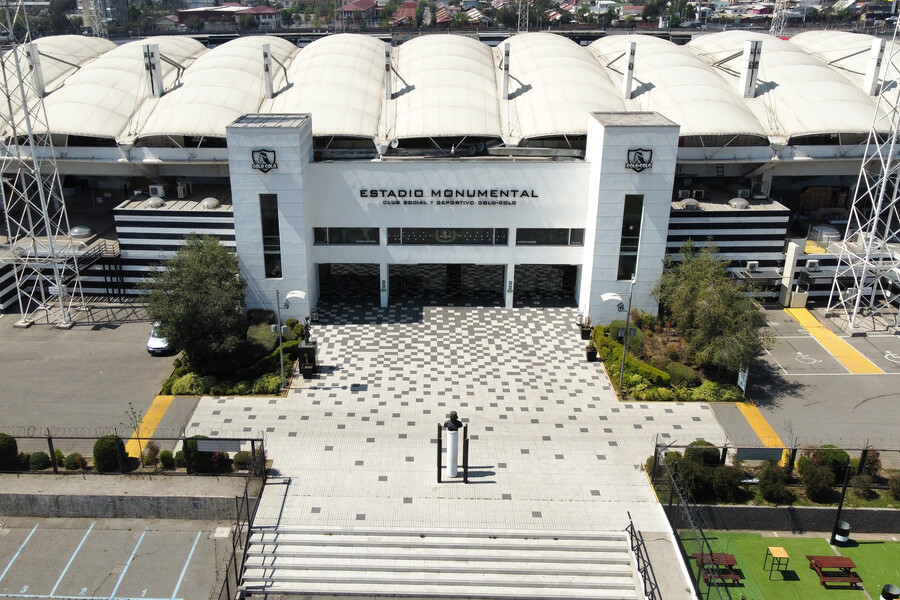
(642, 560)
(245, 513)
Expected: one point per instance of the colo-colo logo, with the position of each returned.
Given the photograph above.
(263, 160)
(639, 159)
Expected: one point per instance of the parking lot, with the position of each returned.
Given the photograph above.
(78, 380)
(111, 558)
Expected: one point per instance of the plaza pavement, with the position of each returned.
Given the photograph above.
(552, 449)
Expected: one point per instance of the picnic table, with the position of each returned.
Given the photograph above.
(717, 565)
(833, 569)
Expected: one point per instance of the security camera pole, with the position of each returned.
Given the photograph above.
(618, 298)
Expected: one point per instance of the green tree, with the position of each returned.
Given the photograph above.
(197, 298)
(194, 23)
(247, 22)
(718, 316)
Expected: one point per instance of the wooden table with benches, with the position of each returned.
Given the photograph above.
(833, 569)
(717, 566)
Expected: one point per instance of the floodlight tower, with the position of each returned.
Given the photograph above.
(98, 13)
(868, 256)
(43, 255)
(779, 18)
(522, 24)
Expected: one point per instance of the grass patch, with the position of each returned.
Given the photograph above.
(876, 565)
(262, 336)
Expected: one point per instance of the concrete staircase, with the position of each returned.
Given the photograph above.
(439, 564)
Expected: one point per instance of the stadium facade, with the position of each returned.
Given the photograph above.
(535, 171)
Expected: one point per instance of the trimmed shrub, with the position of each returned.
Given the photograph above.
(179, 459)
(60, 457)
(267, 384)
(610, 352)
(817, 481)
(242, 460)
(188, 385)
(872, 466)
(291, 323)
(698, 478)
(682, 375)
(167, 385)
(9, 453)
(862, 487)
(242, 388)
(167, 459)
(220, 462)
(825, 456)
(635, 341)
(107, 451)
(75, 462)
(702, 452)
(38, 461)
(894, 484)
(773, 483)
(726, 482)
(711, 391)
(151, 454)
(23, 461)
(201, 462)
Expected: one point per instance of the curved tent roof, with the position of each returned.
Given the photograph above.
(443, 85)
(220, 86)
(340, 80)
(848, 53)
(554, 84)
(103, 96)
(671, 80)
(797, 94)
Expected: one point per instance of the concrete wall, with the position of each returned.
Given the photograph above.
(118, 507)
(796, 519)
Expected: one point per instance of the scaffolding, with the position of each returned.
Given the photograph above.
(39, 247)
(869, 255)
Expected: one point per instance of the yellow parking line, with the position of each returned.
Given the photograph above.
(148, 424)
(762, 428)
(846, 354)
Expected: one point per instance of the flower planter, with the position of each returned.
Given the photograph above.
(307, 370)
(592, 355)
(585, 333)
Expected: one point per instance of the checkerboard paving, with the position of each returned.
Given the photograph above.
(551, 448)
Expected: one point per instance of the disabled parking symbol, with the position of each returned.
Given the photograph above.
(806, 359)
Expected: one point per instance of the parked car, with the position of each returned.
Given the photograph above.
(157, 344)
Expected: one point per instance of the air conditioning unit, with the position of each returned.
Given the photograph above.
(812, 265)
(752, 266)
(743, 193)
(698, 194)
(157, 190)
(682, 194)
(183, 189)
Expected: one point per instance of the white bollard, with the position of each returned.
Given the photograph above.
(452, 453)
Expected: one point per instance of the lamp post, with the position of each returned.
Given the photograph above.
(278, 306)
(621, 307)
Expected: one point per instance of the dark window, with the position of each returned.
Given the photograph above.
(501, 237)
(542, 237)
(320, 235)
(271, 237)
(432, 236)
(576, 237)
(353, 235)
(631, 235)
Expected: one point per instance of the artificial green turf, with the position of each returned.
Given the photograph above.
(877, 563)
(798, 582)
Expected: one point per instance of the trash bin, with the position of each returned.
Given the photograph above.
(842, 533)
(890, 592)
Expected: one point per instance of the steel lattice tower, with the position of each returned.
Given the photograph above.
(870, 253)
(39, 247)
(779, 18)
(97, 14)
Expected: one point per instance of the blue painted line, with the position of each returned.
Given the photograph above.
(16, 555)
(74, 554)
(186, 563)
(128, 564)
